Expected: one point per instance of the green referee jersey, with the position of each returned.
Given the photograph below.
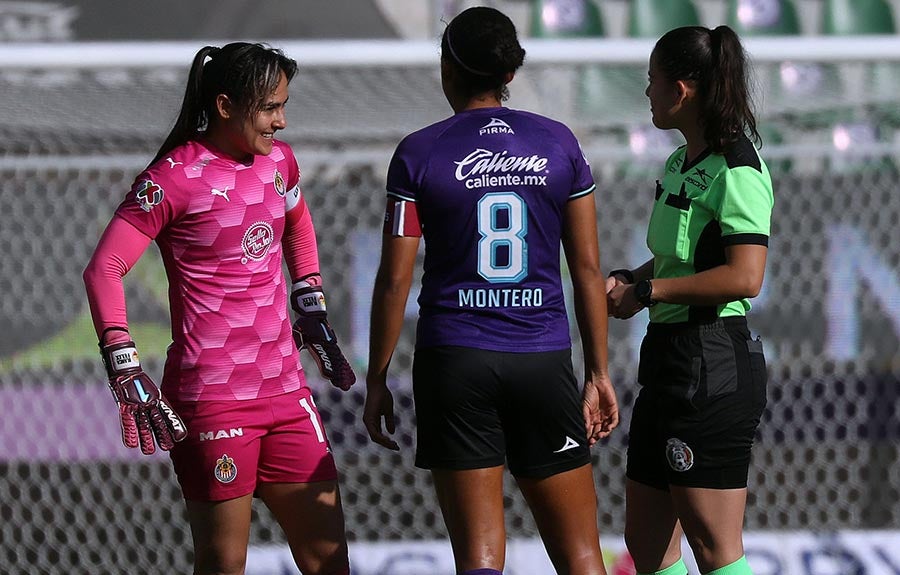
(716, 201)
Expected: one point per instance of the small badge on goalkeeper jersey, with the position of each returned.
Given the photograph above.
(148, 194)
(226, 469)
(278, 181)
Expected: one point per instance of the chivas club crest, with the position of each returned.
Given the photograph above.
(280, 188)
(226, 469)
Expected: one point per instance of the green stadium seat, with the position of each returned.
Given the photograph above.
(763, 17)
(566, 19)
(865, 17)
(595, 85)
(852, 17)
(653, 18)
(792, 85)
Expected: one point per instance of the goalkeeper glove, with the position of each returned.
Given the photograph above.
(313, 332)
(144, 413)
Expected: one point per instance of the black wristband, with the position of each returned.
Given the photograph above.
(626, 273)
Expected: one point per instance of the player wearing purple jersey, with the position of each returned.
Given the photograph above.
(222, 200)
(494, 192)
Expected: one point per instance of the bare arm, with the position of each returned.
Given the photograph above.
(741, 276)
(583, 256)
(392, 283)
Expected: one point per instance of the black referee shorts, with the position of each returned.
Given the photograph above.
(703, 391)
(477, 408)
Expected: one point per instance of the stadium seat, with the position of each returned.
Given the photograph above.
(763, 17)
(653, 18)
(576, 19)
(566, 19)
(791, 85)
(865, 17)
(851, 17)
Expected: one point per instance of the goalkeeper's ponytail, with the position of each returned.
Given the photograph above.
(245, 72)
(193, 116)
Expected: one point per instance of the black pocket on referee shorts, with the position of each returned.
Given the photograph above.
(758, 369)
(719, 362)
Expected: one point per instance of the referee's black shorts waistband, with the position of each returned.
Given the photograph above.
(733, 322)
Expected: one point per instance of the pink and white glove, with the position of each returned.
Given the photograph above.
(313, 332)
(144, 413)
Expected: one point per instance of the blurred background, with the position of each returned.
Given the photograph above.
(89, 88)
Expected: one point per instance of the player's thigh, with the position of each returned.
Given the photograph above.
(312, 519)
(541, 412)
(220, 532)
(456, 401)
(564, 507)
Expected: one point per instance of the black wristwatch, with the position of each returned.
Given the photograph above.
(643, 292)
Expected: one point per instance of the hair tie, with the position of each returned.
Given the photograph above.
(460, 62)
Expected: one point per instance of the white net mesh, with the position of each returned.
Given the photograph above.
(72, 500)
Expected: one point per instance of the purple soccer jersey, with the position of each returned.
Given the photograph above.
(490, 188)
(218, 224)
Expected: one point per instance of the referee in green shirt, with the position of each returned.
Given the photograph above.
(702, 375)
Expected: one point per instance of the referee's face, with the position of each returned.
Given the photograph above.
(664, 96)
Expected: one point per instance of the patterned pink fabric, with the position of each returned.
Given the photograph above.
(118, 250)
(219, 226)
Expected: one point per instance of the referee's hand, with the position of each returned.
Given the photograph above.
(380, 404)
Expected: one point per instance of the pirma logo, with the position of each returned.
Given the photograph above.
(226, 469)
(496, 126)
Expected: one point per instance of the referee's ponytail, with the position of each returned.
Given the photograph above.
(715, 59)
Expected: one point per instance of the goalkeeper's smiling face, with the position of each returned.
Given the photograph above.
(244, 135)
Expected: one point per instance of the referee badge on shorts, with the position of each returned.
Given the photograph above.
(226, 469)
(679, 455)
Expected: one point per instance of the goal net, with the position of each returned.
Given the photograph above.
(77, 122)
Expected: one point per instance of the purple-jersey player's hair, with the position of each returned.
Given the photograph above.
(715, 59)
(245, 72)
(482, 44)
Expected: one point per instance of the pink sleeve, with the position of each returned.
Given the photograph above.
(299, 242)
(116, 253)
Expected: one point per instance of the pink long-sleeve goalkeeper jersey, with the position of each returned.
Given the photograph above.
(219, 224)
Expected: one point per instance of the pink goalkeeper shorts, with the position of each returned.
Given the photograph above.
(234, 445)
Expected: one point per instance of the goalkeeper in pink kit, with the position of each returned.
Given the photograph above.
(223, 203)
